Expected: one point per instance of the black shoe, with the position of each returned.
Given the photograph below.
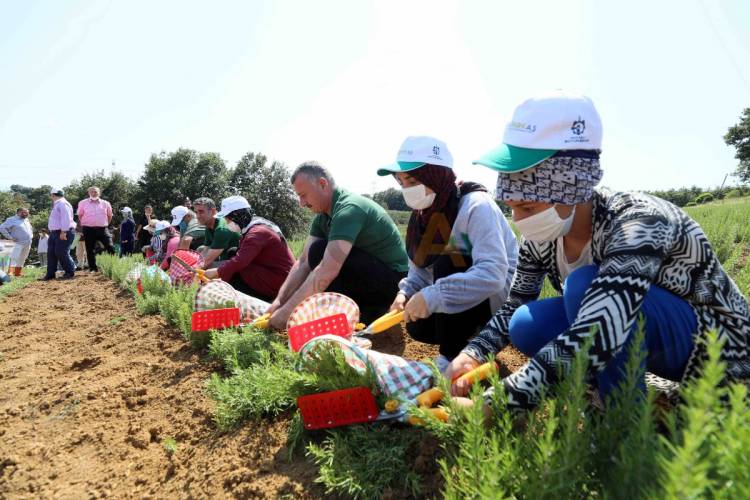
(68, 276)
(47, 278)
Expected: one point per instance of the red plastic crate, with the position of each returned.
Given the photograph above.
(336, 408)
(215, 319)
(338, 324)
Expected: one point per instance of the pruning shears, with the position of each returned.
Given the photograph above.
(382, 323)
(262, 321)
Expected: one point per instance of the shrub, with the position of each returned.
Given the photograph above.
(704, 198)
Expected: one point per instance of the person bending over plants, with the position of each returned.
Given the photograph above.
(263, 259)
(354, 248)
(613, 256)
(462, 252)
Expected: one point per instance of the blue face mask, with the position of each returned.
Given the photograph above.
(183, 226)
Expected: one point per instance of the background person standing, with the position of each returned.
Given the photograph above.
(95, 215)
(127, 232)
(18, 229)
(142, 236)
(41, 247)
(61, 226)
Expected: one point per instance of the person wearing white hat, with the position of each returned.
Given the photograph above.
(169, 241)
(354, 248)
(218, 240)
(462, 252)
(263, 259)
(613, 257)
(192, 232)
(127, 232)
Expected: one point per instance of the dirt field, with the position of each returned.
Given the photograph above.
(90, 391)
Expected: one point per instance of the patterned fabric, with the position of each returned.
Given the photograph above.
(140, 269)
(559, 179)
(637, 240)
(217, 294)
(397, 377)
(178, 273)
(321, 305)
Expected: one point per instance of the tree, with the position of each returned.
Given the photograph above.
(171, 177)
(268, 189)
(738, 136)
(391, 198)
(36, 199)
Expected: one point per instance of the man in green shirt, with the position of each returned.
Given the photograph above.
(354, 248)
(217, 237)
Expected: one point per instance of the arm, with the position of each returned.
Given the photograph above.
(81, 209)
(185, 242)
(109, 213)
(250, 246)
(297, 275)
(210, 255)
(5, 228)
(488, 274)
(630, 262)
(317, 280)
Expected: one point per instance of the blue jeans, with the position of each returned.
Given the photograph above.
(58, 250)
(670, 325)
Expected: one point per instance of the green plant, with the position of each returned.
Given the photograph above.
(367, 461)
(239, 350)
(176, 305)
(170, 445)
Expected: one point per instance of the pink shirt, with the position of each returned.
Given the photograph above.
(94, 213)
(172, 245)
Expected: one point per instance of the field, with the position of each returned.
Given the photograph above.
(103, 395)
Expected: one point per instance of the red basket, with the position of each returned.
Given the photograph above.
(338, 324)
(336, 408)
(215, 319)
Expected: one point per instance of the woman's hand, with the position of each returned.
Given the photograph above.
(416, 308)
(461, 364)
(398, 302)
(211, 274)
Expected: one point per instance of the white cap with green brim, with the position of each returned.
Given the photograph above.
(418, 151)
(542, 126)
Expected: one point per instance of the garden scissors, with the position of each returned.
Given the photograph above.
(383, 323)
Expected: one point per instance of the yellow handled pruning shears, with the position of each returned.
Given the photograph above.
(383, 323)
(262, 321)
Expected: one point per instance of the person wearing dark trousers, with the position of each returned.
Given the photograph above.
(363, 278)
(350, 234)
(61, 236)
(127, 232)
(95, 215)
(462, 251)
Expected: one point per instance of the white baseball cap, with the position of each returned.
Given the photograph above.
(57, 191)
(418, 151)
(230, 204)
(126, 209)
(178, 213)
(544, 125)
(161, 225)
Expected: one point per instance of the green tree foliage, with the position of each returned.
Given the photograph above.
(391, 199)
(171, 177)
(267, 188)
(36, 199)
(738, 136)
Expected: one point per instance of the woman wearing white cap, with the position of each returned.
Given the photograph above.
(612, 255)
(263, 259)
(462, 252)
(127, 232)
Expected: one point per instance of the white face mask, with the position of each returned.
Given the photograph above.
(545, 226)
(417, 198)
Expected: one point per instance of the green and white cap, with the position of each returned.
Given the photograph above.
(418, 151)
(542, 126)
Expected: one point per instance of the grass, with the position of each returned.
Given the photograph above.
(30, 274)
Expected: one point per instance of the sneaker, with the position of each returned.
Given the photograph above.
(442, 363)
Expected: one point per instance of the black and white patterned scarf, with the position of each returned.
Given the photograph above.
(568, 178)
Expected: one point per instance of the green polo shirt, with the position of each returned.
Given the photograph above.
(221, 238)
(364, 224)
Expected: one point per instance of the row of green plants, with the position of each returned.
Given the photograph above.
(567, 448)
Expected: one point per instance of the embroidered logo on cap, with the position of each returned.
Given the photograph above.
(579, 126)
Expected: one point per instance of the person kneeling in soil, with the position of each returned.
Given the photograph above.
(192, 232)
(354, 248)
(263, 259)
(613, 256)
(462, 252)
(169, 241)
(218, 239)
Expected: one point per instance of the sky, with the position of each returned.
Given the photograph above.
(86, 84)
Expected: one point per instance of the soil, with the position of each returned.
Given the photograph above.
(90, 393)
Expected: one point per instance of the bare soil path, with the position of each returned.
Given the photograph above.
(89, 392)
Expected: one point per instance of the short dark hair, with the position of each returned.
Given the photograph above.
(206, 202)
(313, 170)
(18, 210)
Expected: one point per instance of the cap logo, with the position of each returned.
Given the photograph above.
(435, 150)
(579, 126)
(522, 127)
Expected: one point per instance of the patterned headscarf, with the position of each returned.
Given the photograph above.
(568, 178)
